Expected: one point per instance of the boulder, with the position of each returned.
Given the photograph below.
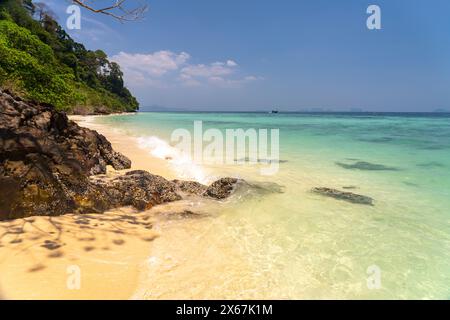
(221, 188)
(141, 190)
(45, 160)
(190, 187)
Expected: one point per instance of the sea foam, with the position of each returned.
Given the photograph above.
(182, 163)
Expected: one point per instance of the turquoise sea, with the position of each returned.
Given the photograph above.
(284, 241)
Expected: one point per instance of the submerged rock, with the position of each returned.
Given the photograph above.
(362, 165)
(223, 188)
(411, 184)
(342, 195)
(46, 162)
(181, 215)
(431, 164)
(258, 188)
(377, 140)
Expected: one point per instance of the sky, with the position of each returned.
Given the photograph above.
(237, 55)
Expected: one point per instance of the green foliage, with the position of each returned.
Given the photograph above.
(4, 15)
(22, 40)
(30, 63)
(40, 59)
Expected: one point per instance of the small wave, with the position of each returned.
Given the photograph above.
(181, 163)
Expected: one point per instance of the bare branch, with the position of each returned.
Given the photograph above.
(117, 9)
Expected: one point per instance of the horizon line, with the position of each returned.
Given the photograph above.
(173, 110)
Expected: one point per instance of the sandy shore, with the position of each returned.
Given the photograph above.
(93, 256)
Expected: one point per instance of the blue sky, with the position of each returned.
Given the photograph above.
(292, 55)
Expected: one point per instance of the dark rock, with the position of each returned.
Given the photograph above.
(346, 196)
(190, 187)
(221, 188)
(140, 189)
(46, 162)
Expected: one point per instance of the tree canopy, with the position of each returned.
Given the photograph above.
(41, 61)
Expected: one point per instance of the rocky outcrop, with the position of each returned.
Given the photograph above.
(46, 162)
(143, 190)
(346, 196)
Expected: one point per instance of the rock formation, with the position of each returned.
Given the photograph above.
(47, 163)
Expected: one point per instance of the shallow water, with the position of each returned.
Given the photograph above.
(296, 244)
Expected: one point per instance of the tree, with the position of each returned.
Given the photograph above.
(117, 9)
(39, 60)
(42, 11)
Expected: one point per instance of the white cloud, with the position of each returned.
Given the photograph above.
(166, 68)
(188, 81)
(206, 71)
(153, 64)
